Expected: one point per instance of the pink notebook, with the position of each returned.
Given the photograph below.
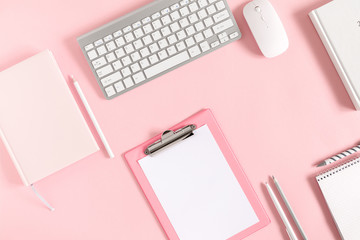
(40, 122)
(196, 186)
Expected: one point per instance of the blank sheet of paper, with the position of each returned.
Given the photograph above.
(197, 189)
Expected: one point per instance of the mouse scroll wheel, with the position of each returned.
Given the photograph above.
(258, 9)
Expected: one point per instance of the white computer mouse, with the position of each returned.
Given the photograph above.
(266, 27)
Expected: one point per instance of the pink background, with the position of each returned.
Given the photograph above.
(281, 116)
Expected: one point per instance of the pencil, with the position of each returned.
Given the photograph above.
(92, 117)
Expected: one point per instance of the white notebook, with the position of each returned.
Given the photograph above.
(341, 189)
(40, 122)
(197, 189)
(338, 25)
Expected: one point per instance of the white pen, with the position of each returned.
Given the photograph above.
(292, 213)
(281, 212)
(339, 156)
(92, 117)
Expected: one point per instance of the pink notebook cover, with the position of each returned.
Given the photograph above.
(40, 122)
(200, 119)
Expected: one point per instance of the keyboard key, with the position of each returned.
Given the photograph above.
(135, 56)
(108, 38)
(208, 22)
(147, 40)
(119, 86)
(129, 37)
(221, 16)
(120, 41)
(135, 67)
(126, 71)
(202, 14)
(189, 41)
(181, 34)
(138, 33)
(171, 50)
(234, 35)
(163, 43)
(144, 63)
(222, 26)
(144, 52)
(99, 62)
(146, 20)
(171, 39)
(165, 31)
(180, 46)
(211, 1)
(156, 35)
(166, 20)
(98, 42)
(162, 54)
(155, 15)
(136, 24)
(184, 22)
(126, 60)
(111, 79)
(156, 24)
(89, 46)
(101, 50)
(175, 15)
(224, 39)
(193, 7)
(174, 27)
(120, 53)
(117, 65)
(110, 46)
(220, 5)
(128, 82)
(92, 54)
(138, 44)
(199, 26)
(211, 9)
(204, 46)
(193, 18)
(215, 44)
(184, 11)
(208, 33)
(127, 29)
(153, 59)
(147, 28)
(104, 71)
(199, 37)
(117, 34)
(174, 7)
(153, 47)
(194, 51)
(190, 30)
(166, 64)
(202, 3)
(129, 48)
(138, 77)
(222, 35)
(110, 57)
(110, 91)
(165, 11)
(184, 2)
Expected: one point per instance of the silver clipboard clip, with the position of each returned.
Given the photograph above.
(170, 137)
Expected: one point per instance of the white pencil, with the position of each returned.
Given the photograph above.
(92, 117)
(281, 212)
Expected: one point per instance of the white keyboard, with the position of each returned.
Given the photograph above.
(154, 40)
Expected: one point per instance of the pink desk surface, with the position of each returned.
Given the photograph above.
(281, 116)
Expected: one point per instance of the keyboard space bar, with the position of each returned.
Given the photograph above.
(165, 65)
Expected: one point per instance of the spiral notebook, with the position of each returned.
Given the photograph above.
(340, 187)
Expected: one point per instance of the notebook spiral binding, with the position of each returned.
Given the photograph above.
(339, 168)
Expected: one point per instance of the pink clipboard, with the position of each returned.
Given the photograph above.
(199, 119)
